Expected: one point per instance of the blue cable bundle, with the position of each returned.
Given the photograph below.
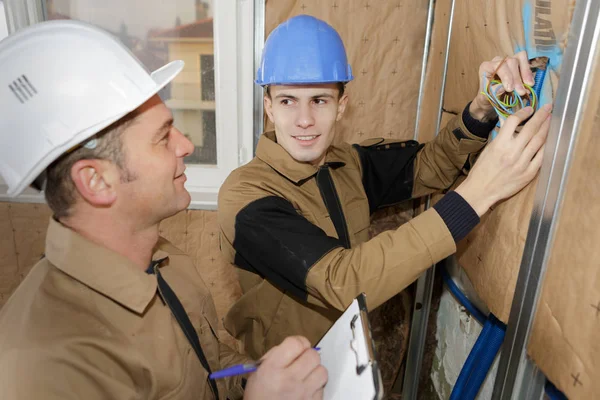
(539, 82)
(485, 349)
(485, 357)
(483, 353)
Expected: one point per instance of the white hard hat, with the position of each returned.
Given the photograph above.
(61, 82)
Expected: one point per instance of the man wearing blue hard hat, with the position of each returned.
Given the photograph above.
(295, 219)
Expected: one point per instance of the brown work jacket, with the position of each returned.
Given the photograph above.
(298, 233)
(86, 323)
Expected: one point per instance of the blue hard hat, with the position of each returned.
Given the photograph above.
(303, 50)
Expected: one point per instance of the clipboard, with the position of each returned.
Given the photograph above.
(348, 352)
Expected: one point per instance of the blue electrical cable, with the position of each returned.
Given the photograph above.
(481, 357)
(540, 74)
(484, 351)
(465, 372)
(485, 358)
(553, 393)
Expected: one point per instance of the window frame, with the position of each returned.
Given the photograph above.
(234, 62)
(3, 19)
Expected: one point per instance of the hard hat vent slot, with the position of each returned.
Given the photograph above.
(22, 89)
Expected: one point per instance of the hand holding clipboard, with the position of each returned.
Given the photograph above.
(348, 354)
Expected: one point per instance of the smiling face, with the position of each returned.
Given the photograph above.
(304, 117)
(155, 150)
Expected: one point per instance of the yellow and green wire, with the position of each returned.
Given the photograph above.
(508, 103)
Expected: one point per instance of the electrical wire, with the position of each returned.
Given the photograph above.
(507, 103)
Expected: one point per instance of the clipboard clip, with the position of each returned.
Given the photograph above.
(359, 367)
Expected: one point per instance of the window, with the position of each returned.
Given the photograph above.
(200, 127)
(215, 40)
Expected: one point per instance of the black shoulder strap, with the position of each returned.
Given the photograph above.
(332, 202)
(184, 322)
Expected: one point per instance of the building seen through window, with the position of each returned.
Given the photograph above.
(158, 32)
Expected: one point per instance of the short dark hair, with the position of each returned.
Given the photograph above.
(60, 188)
(341, 86)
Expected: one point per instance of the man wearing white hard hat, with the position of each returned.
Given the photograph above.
(112, 311)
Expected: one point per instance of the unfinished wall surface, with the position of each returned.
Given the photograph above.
(23, 234)
(384, 41)
(564, 342)
(22, 240)
(434, 74)
(492, 253)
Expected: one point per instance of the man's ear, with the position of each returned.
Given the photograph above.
(96, 181)
(268, 102)
(342, 107)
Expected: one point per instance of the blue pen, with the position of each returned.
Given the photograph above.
(239, 369)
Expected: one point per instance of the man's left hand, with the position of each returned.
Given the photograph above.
(513, 72)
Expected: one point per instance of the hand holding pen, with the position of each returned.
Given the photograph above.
(291, 370)
(239, 369)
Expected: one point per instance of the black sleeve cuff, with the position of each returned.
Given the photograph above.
(459, 216)
(476, 127)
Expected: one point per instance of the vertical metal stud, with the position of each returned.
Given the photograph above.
(422, 304)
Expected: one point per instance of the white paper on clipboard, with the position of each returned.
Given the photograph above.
(348, 353)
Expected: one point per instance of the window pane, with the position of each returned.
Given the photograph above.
(207, 73)
(158, 32)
